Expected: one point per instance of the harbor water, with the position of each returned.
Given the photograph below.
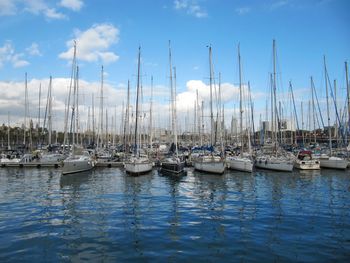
(107, 216)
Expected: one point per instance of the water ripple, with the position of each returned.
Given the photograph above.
(106, 215)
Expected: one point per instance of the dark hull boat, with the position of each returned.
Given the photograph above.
(172, 166)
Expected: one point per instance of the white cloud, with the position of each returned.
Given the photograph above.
(33, 50)
(12, 99)
(187, 98)
(74, 5)
(191, 7)
(8, 55)
(18, 62)
(36, 7)
(7, 7)
(242, 10)
(53, 14)
(279, 4)
(93, 44)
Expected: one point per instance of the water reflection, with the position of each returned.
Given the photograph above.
(106, 215)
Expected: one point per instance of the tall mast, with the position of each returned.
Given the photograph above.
(39, 107)
(8, 131)
(69, 94)
(313, 109)
(174, 114)
(348, 99)
(328, 117)
(219, 121)
(93, 119)
(274, 93)
(73, 122)
(211, 97)
(240, 100)
(272, 111)
(150, 116)
(49, 116)
(126, 121)
(77, 126)
(202, 108)
(25, 108)
(252, 121)
(107, 134)
(302, 122)
(348, 94)
(137, 103)
(100, 132)
(336, 107)
(198, 117)
(89, 126)
(171, 92)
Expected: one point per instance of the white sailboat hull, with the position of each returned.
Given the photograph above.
(210, 164)
(240, 163)
(307, 164)
(77, 164)
(274, 163)
(137, 166)
(333, 163)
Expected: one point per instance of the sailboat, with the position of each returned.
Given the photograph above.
(173, 163)
(328, 160)
(138, 163)
(79, 160)
(208, 161)
(276, 158)
(242, 162)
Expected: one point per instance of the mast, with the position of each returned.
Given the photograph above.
(49, 116)
(174, 115)
(240, 101)
(25, 108)
(302, 123)
(93, 119)
(151, 117)
(198, 117)
(171, 91)
(73, 122)
(202, 108)
(211, 97)
(126, 121)
(69, 94)
(89, 126)
(219, 121)
(136, 146)
(100, 132)
(251, 113)
(348, 95)
(328, 117)
(107, 135)
(272, 112)
(77, 126)
(173, 101)
(8, 131)
(39, 108)
(274, 93)
(313, 109)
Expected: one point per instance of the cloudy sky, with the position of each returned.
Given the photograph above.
(36, 36)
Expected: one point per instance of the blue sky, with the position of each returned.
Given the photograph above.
(35, 38)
